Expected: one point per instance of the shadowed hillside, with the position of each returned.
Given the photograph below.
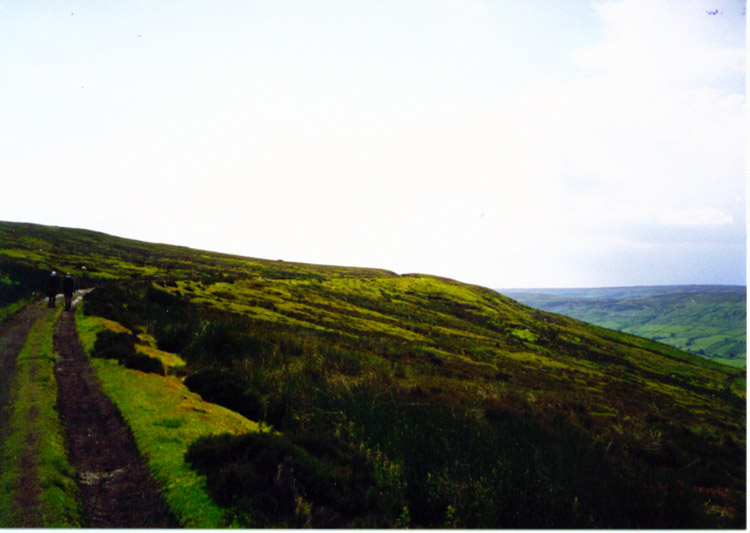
(410, 400)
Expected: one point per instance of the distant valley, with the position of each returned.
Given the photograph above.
(709, 320)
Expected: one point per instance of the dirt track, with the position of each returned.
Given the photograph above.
(117, 487)
(13, 335)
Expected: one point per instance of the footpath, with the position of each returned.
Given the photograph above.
(13, 337)
(114, 482)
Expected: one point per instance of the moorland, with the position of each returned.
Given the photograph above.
(266, 393)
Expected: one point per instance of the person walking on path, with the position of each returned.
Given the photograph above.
(68, 290)
(53, 286)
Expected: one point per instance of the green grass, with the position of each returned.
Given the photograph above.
(165, 418)
(706, 320)
(34, 427)
(303, 337)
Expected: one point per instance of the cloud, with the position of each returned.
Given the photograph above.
(472, 8)
(443, 143)
(667, 42)
(650, 131)
(646, 148)
(695, 217)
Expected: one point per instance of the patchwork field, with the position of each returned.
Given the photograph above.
(706, 320)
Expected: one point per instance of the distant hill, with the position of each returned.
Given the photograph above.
(709, 320)
(396, 400)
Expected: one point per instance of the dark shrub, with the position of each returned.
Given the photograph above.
(505, 471)
(114, 302)
(112, 345)
(227, 389)
(277, 409)
(18, 281)
(223, 342)
(265, 475)
(121, 346)
(144, 363)
(343, 361)
(173, 336)
(163, 298)
(141, 306)
(241, 472)
(252, 405)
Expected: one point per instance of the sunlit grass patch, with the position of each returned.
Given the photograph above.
(537, 359)
(89, 326)
(524, 334)
(22, 253)
(169, 360)
(165, 418)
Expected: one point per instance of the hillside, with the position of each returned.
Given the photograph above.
(405, 400)
(709, 320)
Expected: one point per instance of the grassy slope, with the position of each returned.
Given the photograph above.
(426, 337)
(165, 417)
(707, 320)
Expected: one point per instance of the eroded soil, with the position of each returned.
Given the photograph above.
(13, 335)
(116, 484)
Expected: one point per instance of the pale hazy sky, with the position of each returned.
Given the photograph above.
(505, 143)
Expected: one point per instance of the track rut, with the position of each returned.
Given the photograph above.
(117, 488)
(13, 336)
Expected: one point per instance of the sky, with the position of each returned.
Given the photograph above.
(553, 143)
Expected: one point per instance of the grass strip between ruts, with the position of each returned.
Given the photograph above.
(34, 428)
(165, 418)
